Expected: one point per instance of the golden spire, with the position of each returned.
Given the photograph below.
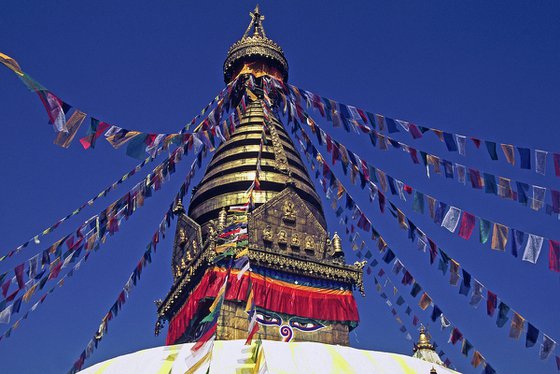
(256, 23)
(255, 49)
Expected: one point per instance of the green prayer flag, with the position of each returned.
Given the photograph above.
(484, 230)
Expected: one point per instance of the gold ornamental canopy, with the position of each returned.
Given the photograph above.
(256, 54)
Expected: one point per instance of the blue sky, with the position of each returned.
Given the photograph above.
(484, 69)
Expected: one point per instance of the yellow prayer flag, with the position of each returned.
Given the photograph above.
(27, 295)
(499, 237)
(63, 139)
(11, 64)
(425, 301)
(477, 359)
(509, 153)
(118, 140)
(242, 253)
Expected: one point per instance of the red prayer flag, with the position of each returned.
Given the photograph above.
(204, 338)
(456, 335)
(554, 255)
(6, 287)
(467, 225)
(491, 303)
(556, 157)
(19, 275)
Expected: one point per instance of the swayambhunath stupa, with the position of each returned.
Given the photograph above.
(296, 244)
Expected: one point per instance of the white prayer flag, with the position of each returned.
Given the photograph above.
(461, 142)
(451, 219)
(6, 314)
(533, 248)
(540, 161)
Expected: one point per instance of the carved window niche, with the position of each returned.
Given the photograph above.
(310, 245)
(295, 242)
(267, 234)
(282, 239)
(289, 216)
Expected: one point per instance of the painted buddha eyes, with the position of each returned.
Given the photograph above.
(269, 319)
(306, 325)
(302, 324)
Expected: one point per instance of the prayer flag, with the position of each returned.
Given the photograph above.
(509, 153)
(96, 129)
(503, 310)
(425, 301)
(467, 225)
(418, 205)
(554, 255)
(455, 336)
(416, 288)
(491, 303)
(391, 125)
(461, 173)
(484, 226)
(517, 239)
(538, 197)
(556, 157)
(449, 142)
(439, 214)
(454, 272)
(436, 313)
(517, 323)
(198, 361)
(490, 185)
(6, 314)
(491, 147)
(466, 347)
(540, 161)
(63, 139)
(525, 157)
(499, 237)
(477, 359)
(476, 181)
(451, 219)
(465, 284)
(533, 248)
(522, 192)
(532, 335)
(11, 64)
(547, 347)
(461, 143)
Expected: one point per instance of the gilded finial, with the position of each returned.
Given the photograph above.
(179, 208)
(424, 339)
(337, 245)
(256, 23)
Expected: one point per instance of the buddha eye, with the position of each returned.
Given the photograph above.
(306, 324)
(269, 319)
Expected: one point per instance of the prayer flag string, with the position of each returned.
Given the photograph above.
(37, 273)
(138, 142)
(388, 257)
(443, 214)
(528, 195)
(445, 261)
(165, 223)
(368, 122)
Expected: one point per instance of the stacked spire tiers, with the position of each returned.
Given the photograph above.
(300, 288)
